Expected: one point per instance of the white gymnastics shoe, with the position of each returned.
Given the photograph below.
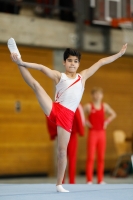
(89, 183)
(102, 183)
(13, 47)
(59, 188)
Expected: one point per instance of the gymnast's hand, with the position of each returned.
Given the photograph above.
(123, 50)
(14, 58)
(88, 124)
(105, 124)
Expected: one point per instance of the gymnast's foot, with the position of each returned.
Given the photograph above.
(59, 188)
(102, 183)
(90, 183)
(13, 47)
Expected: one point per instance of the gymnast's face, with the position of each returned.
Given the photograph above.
(71, 64)
(97, 96)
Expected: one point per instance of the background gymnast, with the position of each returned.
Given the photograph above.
(99, 116)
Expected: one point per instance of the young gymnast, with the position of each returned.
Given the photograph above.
(69, 91)
(97, 123)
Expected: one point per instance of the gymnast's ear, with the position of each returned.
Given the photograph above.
(64, 62)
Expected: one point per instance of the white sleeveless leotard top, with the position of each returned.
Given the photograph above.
(69, 91)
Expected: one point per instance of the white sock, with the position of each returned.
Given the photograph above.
(102, 183)
(13, 47)
(59, 188)
(89, 183)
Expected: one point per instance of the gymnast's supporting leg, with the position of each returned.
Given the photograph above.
(62, 143)
(42, 97)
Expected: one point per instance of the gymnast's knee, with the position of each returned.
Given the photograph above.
(62, 153)
(35, 86)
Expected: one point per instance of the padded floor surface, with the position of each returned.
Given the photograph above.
(77, 192)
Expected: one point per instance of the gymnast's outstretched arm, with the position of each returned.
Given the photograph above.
(90, 71)
(53, 74)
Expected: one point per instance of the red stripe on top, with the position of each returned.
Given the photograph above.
(57, 96)
(75, 81)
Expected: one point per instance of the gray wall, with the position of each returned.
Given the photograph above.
(35, 31)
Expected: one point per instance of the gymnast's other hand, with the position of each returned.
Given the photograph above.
(88, 124)
(105, 124)
(123, 50)
(14, 58)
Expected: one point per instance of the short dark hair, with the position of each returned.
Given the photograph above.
(71, 52)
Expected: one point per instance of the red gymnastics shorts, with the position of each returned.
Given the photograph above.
(61, 116)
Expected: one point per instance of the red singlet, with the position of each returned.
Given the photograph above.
(96, 118)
